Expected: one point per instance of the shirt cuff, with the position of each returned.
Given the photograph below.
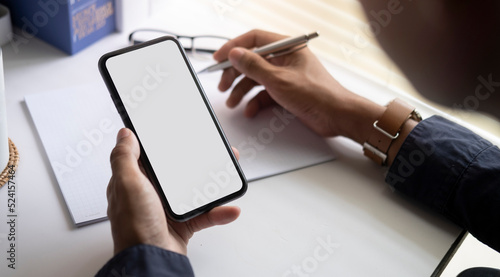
(432, 161)
(147, 260)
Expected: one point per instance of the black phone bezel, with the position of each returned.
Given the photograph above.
(143, 157)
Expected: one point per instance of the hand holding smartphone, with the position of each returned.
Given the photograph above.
(184, 151)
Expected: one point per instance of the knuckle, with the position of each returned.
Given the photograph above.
(251, 63)
(257, 32)
(120, 157)
(127, 185)
(254, 32)
(119, 179)
(118, 151)
(109, 189)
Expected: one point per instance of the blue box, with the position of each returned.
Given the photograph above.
(70, 25)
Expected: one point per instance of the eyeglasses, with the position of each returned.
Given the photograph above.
(204, 44)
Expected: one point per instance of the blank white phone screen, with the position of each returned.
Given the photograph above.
(174, 125)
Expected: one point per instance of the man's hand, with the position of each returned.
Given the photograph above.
(135, 210)
(299, 83)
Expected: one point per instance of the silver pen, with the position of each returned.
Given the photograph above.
(274, 49)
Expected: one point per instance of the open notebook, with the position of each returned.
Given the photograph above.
(78, 127)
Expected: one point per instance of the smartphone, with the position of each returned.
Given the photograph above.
(184, 151)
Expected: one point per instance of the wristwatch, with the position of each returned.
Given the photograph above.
(386, 129)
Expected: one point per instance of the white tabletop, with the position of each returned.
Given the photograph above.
(333, 219)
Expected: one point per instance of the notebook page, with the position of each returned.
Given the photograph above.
(78, 127)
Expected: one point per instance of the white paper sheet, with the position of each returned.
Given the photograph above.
(78, 129)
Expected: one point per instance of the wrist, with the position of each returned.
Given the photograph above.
(356, 117)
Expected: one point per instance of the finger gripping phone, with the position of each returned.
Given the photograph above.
(184, 151)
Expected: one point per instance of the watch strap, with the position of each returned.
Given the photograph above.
(386, 130)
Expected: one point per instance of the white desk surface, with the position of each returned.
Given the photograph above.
(373, 231)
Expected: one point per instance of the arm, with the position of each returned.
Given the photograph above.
(147, 260)
(455, 172)
(299, 83)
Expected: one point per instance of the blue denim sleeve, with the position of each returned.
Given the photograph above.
(147, 260)
(455, 172)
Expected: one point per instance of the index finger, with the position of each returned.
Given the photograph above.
(251, 39)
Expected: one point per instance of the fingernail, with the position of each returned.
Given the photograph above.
(123, 133)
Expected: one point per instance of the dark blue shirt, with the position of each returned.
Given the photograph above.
(441, 164)
(455, 172)
(147, 260)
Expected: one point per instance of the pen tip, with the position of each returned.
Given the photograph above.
(201, 71)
